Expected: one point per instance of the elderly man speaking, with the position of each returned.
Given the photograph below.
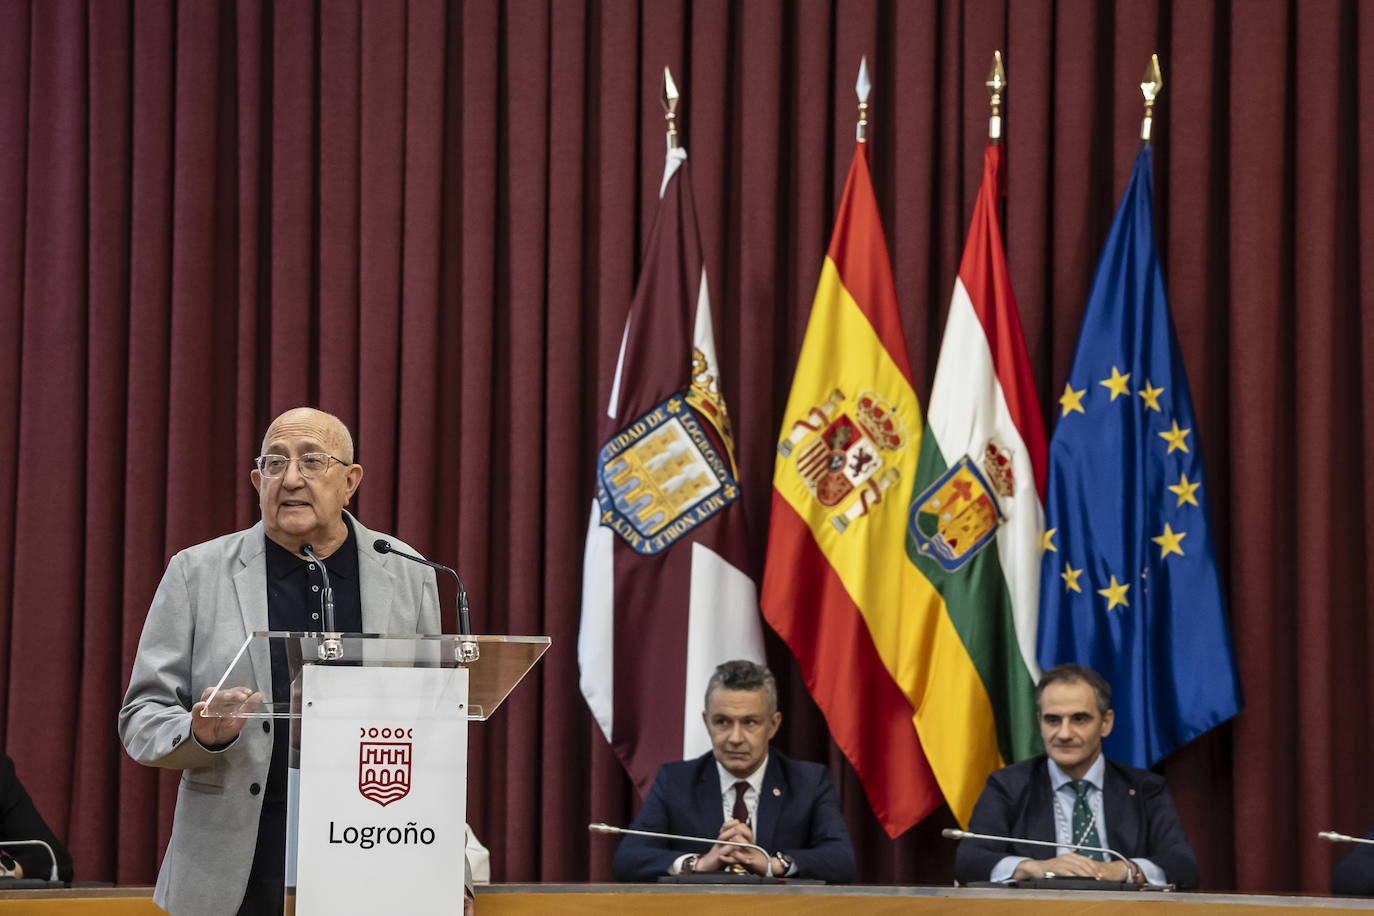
(228, 846)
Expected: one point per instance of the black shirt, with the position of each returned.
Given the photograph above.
(295, 604)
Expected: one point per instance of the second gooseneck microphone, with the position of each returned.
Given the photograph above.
(464, 615)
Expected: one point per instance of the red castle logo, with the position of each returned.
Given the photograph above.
(384, 765)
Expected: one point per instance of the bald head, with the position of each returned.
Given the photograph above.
(315, 422)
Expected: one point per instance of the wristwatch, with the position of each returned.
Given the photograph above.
(689, 865)
(787, 862)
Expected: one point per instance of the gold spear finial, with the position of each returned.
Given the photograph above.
(861, 88)
(997, 84)
(670, 97)
(1150, 86)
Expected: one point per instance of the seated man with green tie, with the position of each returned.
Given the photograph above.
(743, 791)
(1076, 797)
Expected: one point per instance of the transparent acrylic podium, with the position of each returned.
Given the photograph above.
(501, 664)
(378, 757)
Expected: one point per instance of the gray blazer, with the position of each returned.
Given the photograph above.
(210, 598)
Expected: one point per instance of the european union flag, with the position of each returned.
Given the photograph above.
(1128, 582)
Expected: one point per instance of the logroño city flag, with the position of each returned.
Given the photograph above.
(836, 584)
(664, 594)
(975, 525)
(1129, 585)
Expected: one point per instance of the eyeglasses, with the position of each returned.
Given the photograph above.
(310, 465)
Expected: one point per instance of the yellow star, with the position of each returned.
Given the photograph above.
(1070, 577)
(1177, 438)
(1047, 540)
(1115, 594)
(1072, 400)
(1185, 490)
(1168, 541)
(1151, 395)
(1117, 383)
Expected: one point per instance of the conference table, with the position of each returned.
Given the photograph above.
(763, 900)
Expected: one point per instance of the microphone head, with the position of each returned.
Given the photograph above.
(602, 828)
(1331, 835)
(381, 545)
(950, 833)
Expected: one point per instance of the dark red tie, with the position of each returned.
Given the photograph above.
(741, 812)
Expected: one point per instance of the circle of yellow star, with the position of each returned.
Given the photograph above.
(1070, 577)
(1072, 400)
(1115, 594)
(1177, 438)
(1168, 541)
(1151, 395)
(1117, 383)
(1047, 540)
(1185, 490)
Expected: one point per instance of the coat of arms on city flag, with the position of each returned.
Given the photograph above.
(958, 514)
(843, 450)
(384, 766)
(661, 476)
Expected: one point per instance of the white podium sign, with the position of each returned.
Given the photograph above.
(383, 789)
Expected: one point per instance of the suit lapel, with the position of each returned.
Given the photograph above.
(250, 586)
(710, 811)
(376, 585)
(1123, 821)
(1039, 812)
(772, 800)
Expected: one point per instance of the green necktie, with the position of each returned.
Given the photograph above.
(1084, 824)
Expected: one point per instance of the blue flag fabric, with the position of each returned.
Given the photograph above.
(1129, 583)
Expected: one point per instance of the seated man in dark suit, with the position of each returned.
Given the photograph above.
(741, 791)
(1075, 796)
(1353, 875)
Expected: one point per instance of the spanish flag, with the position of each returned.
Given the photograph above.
(837, 583)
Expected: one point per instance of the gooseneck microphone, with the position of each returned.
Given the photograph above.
(331, 647)
(607, 828)
(468, 651)
(950, 833)
(1335, 837)
(52, 856)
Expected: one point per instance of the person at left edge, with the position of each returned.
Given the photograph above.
(227, 850)
(789, 806)
(20, 820)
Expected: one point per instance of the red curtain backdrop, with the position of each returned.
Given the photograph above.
(426, 217)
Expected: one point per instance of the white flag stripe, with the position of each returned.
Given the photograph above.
(967, 408)
(596, 635)
(703, 333)
(722, 623)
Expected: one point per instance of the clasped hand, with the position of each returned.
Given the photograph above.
(1072, 865)
(721, 857)
(216, 723)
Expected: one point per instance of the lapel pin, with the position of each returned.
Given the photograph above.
(777, 793)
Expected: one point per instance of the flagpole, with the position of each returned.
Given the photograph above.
(997, 84)
(861, 89)
(670, 99)
(1150, 86)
